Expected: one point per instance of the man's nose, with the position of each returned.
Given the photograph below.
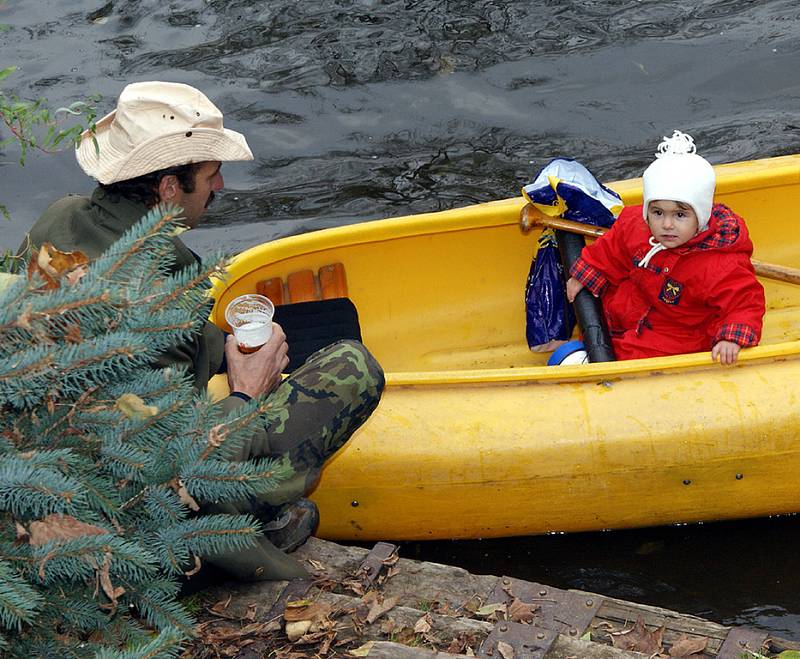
(219, 183)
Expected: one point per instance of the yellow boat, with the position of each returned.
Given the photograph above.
(476, 437)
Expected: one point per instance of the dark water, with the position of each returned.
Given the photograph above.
(359, 109)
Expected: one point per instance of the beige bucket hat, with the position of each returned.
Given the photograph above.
(158, 125)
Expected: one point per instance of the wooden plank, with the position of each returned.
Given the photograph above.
(332, 281)
(302, 287)
(273, 289)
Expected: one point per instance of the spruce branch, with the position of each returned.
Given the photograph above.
(19, 601)
(103, 454)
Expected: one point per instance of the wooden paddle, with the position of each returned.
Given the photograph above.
(531, 217)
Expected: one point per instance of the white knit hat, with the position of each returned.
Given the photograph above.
(157, 125)
(679, 174)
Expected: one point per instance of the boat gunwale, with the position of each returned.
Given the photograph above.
(598, 372)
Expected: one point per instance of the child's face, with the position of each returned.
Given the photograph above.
(672, 223)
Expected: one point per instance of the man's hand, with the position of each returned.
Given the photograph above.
(573, 288)
(259, 372)
(725, 352)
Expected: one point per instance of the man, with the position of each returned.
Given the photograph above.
(165, 142)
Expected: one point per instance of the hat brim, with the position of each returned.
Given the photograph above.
(100, 160)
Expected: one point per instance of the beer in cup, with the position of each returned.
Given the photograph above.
(250, 318)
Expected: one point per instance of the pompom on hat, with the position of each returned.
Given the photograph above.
(679, 174)
(157, 125)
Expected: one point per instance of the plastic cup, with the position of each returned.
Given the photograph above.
(250, 318)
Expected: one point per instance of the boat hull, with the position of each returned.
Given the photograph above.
(516, 458)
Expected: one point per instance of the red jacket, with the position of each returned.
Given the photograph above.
(687, 298)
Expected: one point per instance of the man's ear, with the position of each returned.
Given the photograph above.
(168, 188)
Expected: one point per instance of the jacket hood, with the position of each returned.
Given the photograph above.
(726, 231)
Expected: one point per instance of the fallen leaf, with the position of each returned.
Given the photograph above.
(298, 604)
(406, 636)
(378, 609)
(60, 527)
(221, 606)
(519, 611)
(251, 612)
(363, 651)
(296, 629)
(489, 609)
(217, 636)
(311, 611)
(423, 625)
(506, 651)
(471, 605)
(316, 565)
(686, 646)
(134, 407)
(639, 639)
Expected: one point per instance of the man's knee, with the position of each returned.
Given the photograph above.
(350, 369)
(373, 378)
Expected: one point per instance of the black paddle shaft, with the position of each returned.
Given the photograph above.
(588, 309)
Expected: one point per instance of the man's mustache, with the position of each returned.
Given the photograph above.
(210, 199)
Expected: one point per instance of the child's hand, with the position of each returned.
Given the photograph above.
(725, 352)
(573, 288)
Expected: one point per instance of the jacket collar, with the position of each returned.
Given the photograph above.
(120, 214)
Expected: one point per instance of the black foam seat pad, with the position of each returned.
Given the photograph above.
(310, 326)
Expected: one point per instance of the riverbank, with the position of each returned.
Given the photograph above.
(373, 603)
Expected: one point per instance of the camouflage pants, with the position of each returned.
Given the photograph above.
(317, 408)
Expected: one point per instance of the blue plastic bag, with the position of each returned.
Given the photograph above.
(562, 188)
(548, 315)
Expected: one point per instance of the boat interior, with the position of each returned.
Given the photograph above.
(444, 292)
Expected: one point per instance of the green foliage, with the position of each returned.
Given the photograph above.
(34, 125)
(104, 460)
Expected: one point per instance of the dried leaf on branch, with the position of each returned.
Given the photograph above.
(60, 527)
(112, 592)
(52, 265)
(134, 407)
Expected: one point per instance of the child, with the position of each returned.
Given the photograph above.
(675, 273)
